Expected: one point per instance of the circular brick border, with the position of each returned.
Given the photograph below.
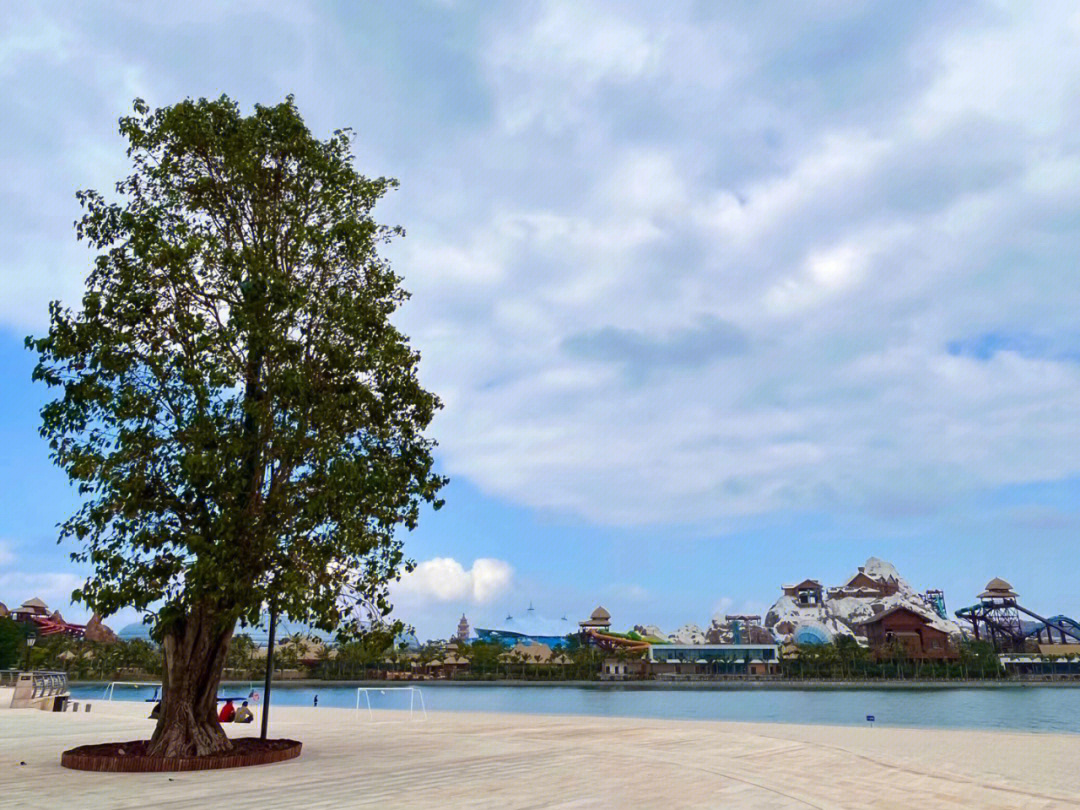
(79, 760)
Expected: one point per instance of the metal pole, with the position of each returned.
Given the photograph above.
(269, 672)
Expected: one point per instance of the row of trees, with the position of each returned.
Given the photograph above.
(79, 658)
(486, 661)
(105, 661)
(376, 654)
(368, 657)
(845, 659)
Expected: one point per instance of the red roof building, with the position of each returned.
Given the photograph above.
(36, 612)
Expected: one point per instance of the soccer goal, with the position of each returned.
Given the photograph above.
(392, 698)
(111, 688)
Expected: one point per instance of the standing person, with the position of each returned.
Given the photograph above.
(316, 701)
(228, 712)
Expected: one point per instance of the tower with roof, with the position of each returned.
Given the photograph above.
(463, 630)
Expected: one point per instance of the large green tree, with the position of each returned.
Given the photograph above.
(240, 415)
(12, 639)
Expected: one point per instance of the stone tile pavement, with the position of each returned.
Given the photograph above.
(527, 761)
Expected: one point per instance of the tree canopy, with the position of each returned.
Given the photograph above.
(241, 416)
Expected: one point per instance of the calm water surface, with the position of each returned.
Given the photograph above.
(1016, 708)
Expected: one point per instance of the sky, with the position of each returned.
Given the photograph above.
(717, 296)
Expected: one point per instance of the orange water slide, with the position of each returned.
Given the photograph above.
(611, 642)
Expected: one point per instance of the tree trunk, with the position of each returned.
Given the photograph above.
(195, 650)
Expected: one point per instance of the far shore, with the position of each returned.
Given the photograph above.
(735, 685)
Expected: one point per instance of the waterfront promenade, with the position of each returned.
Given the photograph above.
(477, 760)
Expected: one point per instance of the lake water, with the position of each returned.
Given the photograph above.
(1011, 707)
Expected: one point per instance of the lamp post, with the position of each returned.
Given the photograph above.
(30, 639)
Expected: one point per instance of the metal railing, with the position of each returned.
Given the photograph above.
(49, 684)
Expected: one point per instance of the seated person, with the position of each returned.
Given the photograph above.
(243, 714)
(155, 712)
(228, 712)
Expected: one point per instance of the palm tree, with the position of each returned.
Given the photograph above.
(241, 654)
(846, 650)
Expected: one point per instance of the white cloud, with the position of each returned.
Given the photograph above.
(643, 169)
(551, 65)
(850, 260)
(444, 579)
(51, 587)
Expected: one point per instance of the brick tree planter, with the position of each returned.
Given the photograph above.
(130, 757)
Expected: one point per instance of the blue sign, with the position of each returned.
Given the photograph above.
(869, 718)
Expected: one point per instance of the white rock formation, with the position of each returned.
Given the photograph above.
(649, 631)
(842, 614)
(688, 634)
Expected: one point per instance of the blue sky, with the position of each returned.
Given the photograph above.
(717, 295)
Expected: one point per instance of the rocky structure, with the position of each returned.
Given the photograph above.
(739, 629)
(648, 631)
(688, 634)
(96, 630)
(808, 612)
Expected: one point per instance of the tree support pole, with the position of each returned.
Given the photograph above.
(269, 673)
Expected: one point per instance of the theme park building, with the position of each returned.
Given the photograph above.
(530, 629)
(809, 613)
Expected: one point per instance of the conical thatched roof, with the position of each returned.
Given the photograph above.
(997, 587)
(598, 618)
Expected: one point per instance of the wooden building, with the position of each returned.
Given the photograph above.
(806, 593)
(920, 638)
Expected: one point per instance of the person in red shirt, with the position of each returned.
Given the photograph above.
(228, 712)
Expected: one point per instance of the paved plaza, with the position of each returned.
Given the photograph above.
(527, 761)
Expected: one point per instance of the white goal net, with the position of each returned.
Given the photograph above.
(406, 703)
(147, 691)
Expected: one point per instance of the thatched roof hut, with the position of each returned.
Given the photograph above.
(997, 588)
(599, 618)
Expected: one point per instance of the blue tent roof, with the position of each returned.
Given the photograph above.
(529, 627)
